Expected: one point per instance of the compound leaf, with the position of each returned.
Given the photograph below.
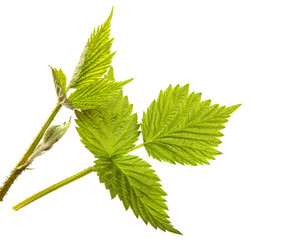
(180, 128)
(108, 130)
(95, 58)
(136, 184)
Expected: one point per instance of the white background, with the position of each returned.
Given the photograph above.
(231, 51)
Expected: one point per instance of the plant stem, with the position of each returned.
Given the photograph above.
(17, 171)
(53, 188)
(137, 147)
(60, 184)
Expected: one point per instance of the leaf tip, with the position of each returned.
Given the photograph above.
(233, 108)
(173, 230)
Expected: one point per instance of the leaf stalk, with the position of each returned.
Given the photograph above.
(60, 184)
(53, 188)
(137, 147)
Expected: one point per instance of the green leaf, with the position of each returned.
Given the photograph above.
(59, 81)
(180, 128)
(95, 58)
(110, 74)
(55, 133)
(52, 135)
(137, 186)
(109, 130)
(97, 93)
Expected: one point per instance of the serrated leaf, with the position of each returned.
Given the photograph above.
(109, 130)
(110, 74)
(95, 58)
(138, 187)
(180, 128)
(99, 92)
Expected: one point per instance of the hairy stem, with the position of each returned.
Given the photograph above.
(60, 184)
(53, 188)
(17, 171)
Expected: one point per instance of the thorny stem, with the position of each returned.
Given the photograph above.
(53, 188)
(60, 184)
(17, 169)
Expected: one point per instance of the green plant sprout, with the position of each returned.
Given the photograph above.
(177, 127)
